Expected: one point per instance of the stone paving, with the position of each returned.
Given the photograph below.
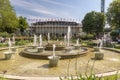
(31, 69)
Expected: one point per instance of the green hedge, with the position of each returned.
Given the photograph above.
(22, 42)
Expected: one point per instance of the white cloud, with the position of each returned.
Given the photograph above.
(58, 3)
(40, 9)
(32, 7)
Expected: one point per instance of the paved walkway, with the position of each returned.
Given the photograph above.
(51, 78)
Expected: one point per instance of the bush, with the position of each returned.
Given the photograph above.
(90, 43)
(5, 34)
(117, 46)
(114, 35)
(90, 36)
(22, 42)
(2, 45)
(87, 36)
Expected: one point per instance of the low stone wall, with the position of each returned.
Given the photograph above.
(43, 55)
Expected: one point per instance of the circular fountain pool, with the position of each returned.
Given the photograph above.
(33, 53)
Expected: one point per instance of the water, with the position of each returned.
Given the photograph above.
(101, 44)
(54, 49)
(9, 44)
(68, 36)
(48, 36)
(77, 42)
(40, 38)
(13, 39)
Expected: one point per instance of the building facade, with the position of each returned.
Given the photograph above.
(57, 28)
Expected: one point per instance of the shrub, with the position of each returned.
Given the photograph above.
(117, 46)
(90, 36)
(90, 43)
(22, 42)
(5, 34)
(2, 45)
(114, 35)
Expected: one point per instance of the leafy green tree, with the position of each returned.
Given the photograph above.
(113, 14)
(8, 19)
(22, 24)
(93, 23)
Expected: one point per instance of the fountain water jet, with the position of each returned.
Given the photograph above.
(10, 45)
(9, 53)
(98, 54)
(40, 48)
(13, 44)
(34, 42)
(40, 38)
(53, 60)
(48, 37)
(68, 36)
(68, 48)
(77, 46)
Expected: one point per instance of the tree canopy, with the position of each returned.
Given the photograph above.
(93, 23)
(113, 14)
(22, 24)
(8, 19)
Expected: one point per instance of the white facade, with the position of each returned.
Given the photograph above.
(55, 27)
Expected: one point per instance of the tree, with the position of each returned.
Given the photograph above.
(113, 14)
(22, 24)
(8, 19)
(93, 23)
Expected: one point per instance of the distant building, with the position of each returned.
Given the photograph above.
(57, 28)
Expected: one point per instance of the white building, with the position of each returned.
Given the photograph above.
(55, 28)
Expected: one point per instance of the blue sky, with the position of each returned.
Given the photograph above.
(68, 9)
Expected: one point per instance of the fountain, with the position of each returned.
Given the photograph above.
(61, 50)
(68, 36)
(34, 42)
(69, 48)
(97, 48)
(9, 53)
(40, 48)
(13, 48)
(13, 40)
(98, 54)
(48, 37)
(53, 60)
(77, 46)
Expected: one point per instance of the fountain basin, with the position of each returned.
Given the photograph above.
(77, 47)
(33, 46)
(8, 55)
(69, 49)
(53, 61)
(58, 48)
(96, 49)
(13, 49)
(44, 55)
(99, 55)
(40, 49)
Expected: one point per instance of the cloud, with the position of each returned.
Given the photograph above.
(32, 7)
(58, 3)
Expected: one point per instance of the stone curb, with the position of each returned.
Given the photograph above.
(52, 78)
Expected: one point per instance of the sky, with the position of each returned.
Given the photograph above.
(57, 9)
